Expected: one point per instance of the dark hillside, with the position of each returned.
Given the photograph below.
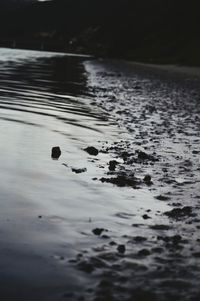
(154, 30)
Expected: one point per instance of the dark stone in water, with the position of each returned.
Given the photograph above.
(98, 231)
(180, 212)
(79, 170)
(112, 165)
(55, 152)
(145, 216)
(112, 243)
(91, 150)
(121, 249)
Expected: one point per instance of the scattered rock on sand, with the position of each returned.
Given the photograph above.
(122, 180)
(55, 152)
(144, 156)
(91, 150)
(112, 165)
(178, 213)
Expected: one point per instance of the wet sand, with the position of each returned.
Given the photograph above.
(159, 112)
(118, 224)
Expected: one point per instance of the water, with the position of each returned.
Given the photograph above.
(48, 250)
(42, 104)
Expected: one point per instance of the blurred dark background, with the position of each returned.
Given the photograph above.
(159, 31)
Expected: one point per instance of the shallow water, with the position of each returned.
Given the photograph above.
(48, 250)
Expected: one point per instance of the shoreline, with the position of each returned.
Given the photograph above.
(187, 70)
(181, 69)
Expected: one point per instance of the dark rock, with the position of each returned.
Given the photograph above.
(91, 150)
(112, 243)
(160, 227)
(195, 152)
(145, 216)
(121, 249)
(112, 165)
(105, 236)
(122, 181)
(55, 152)
(147, 180)
(178, 213)
(125, 155)
(98, 231)
(79, 170)
(162, 198)
(144, 156)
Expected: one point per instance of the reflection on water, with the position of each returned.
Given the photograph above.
(45, 85)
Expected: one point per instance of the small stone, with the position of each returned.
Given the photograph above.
(112, 243)
(121, 249)
(98, 231)
(147, 180)
(91, 150)
(55, 152)
(112, 165)
(79, 170)
(145, 216)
